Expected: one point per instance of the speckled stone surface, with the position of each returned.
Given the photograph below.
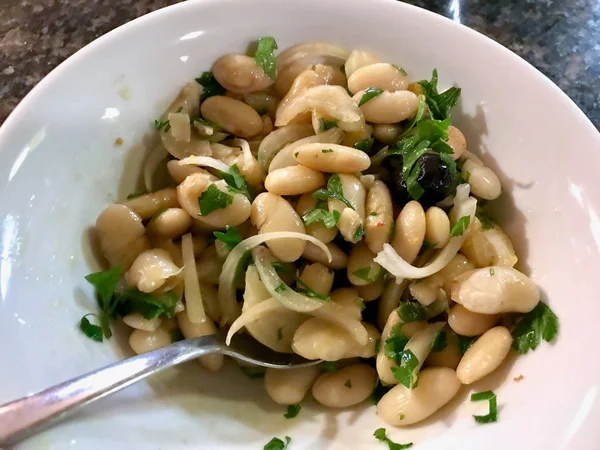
(559, 37)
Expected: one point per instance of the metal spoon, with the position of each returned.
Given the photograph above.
(24, 417)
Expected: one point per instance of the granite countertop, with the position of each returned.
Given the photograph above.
(561, 38)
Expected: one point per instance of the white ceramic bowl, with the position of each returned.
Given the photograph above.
(59, 169)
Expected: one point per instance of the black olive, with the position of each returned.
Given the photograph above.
(435, 177)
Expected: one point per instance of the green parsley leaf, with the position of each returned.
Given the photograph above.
(460, 226)
(231, 237)
(364, 273)
(370, 94)
(464, 342)
(467, 176)
(148, 305)
(210, 84)
(277, 444)
(162, 125)
(334, 191)
(485, 220)
(439, 104)
(364, 144)
(306, 290)
(404, 373)
(254, 373)
(348, 383)
(411, 312)
(105, 284)
(440, 342)
(540, 323)
(379, 391)
(394, 346)
(418, 117)
(94, 332)
(402, 71)
(279, 333)
(321, 214)
(237, 183)
(492, 272)
(265, 56)
(326, 150)
(373, 214)
(325, 125)
(492, 416)
(329, 366)
(401, 417)
(359, 233)
(281, 287)
(136, 194)
(212, 199)
(292, 411)
(428, 244)
(381, 436)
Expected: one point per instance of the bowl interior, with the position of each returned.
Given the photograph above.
(60, 168)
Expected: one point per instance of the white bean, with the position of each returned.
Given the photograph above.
(180, 172)
(307, 203)
(137, 321)
(484, 183)
(457, 141)
(144, 341)
(390, 299)
(262, 102)
(232, 115)
(387, 133)
(208, 265)
(170, 224)
(317, 277)
(332, 158)
(193, 330)
(468, 323)
(388, 107)
(350, 224)
(409, 231)
(380, 75)
(495, 290)
(345, 387)
(358, 59)
(448, 357)
(148, 205)
(437, 231)
(290, 386)
(153, 269)
(403, 406)
(272, 213)
(240, 74)
(491, 247)
(294, 180)
(362, 270)
(371, 291)
(485, 355)
(339, 260)
(379, 217)
(349, 299)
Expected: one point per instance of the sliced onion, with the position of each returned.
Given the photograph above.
(394, 264)
(252, 314)
(343, 318)
(389, 301)
(193, 296)
(181, 129)
(180, 149)
(278, 139)
(421, 342)
(156, 156)
(311, 50)
(229, 305)
(263, 259)
(205, 161)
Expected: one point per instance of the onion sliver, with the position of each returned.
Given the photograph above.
(340, 316)
(227, 299)
(276, 140)
(420, 344)
(193, 296)
(252, 314)
(205, 161)
(156, 156)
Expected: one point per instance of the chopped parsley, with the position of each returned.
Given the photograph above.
(364, 144)
(492, 416)
(440, 342)
(492, 272)
(150, 306)
(161, 125)
(254, 373)
(306, 290)
(277, 444)
(467, 176)
(237, 183)
(94, 332)
(281, 287)
(105, 284)
(348, 383)
(320, 213)
(230, 238)
(373, 214)
(136, 194)
(370, 94)
(485, 220)
(265, 56)
(411, 312)
(334, 191)
(404, 373)
(329, 366)
(381, 436)
(292, 411)
(325, 124)
(400, 69)
(326, 150)
(379, 391)
(464, 342)
(394, 346)
(364, 273)
(460, 226)
(439, 104)
(210, 85)
(428, 244)
(279, 333)
(212, 199)
(540, 323)
(359, 233)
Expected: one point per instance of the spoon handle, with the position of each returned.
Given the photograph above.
(24, 417)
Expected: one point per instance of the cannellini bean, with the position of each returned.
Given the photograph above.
(267, 125)
(379, 217)
(490, 247)
(427, 290)
(358, 59)
(144, 341)
(171, 223)
(232, 115)
(318, 277)
(387, 133)
(409, 231)
(271, 213)
(495, 290)
(148, 205)
(485, 355)
(290, 386)
(450, 356)
(403, 406)
(371, 291)
(332, 158)
(388, 107)
(468, 323)
(171, 248)
(354, 191)
(350, 225)
(240, 74)
(345, 387)
(180, 172)
(233, 214)
(307, 203)
(152, 270)
(319, 339)
(362, 270)
(352, 137)
(457, 141)
(390, 299)
(121, 235)
(200, 243)
(262, 102)
(437, 231)
(349, 299)
(294, 180)
(209, 265)
(339, 260)
(137, 321)
(380, 75)
(193, 330)
(484, 183)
